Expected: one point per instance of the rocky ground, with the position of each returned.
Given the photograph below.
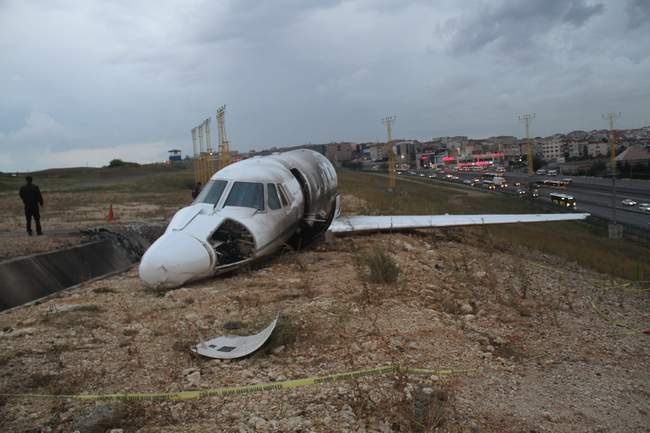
(546, 346)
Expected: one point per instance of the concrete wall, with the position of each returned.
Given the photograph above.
(24, 279)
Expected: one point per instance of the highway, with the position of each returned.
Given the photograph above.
(593, 195)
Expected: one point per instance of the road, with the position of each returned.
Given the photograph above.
(593, 195)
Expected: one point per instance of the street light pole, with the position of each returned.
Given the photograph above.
(526, 119)
(615, 232)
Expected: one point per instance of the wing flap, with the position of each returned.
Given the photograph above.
(360, 223)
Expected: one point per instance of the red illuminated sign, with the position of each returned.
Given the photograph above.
(487, 155)
(474, 164)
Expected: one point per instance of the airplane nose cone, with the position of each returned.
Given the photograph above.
(174, 259)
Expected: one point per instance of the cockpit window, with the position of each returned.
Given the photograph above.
(283, 195)
(211, 192)
(246, 194)
(274, 201)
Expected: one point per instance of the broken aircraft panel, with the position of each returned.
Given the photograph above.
(231, 347)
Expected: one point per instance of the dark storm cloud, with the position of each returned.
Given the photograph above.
(514, 24)
(249, 19)
(86, 81)
(638, 13)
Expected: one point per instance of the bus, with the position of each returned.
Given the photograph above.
(488, 184)
(553, 183)
(500, 181)
(563, 200)
(490, 175)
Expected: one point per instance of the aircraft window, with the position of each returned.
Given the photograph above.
(274, 202)
(246, 194)
(211, 192)
(283, 195)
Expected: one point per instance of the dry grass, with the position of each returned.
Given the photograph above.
(579, 242)
(378, 267)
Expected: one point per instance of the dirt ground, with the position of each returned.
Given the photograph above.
(65, 214)
(545, 346)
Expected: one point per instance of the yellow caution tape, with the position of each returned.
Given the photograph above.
(237, 390)
(630, 330)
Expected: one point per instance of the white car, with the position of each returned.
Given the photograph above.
(644, 207)
(628, 202)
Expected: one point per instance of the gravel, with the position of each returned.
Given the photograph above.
(527, 365)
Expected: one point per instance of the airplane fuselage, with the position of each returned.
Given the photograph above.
(247, 210)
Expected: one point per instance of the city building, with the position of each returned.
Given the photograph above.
(340, 152)
(553, 147)
(577, 149)
(634, 155)
(377, 151)
(597, 149)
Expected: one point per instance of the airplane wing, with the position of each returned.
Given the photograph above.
(359, 223)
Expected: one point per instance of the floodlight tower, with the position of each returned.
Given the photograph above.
(224, 144)
(196, 155)
(208, 142)
(615, 231)
(199, 132)
(526, 119)
(388, 123)
(209, 167)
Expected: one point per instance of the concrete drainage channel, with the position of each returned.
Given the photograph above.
(108, 251)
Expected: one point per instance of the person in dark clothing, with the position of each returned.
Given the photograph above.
(31, 196)
(196, 190)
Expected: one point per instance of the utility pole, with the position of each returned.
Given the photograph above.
(526, 119)
(388, 123)
(615, 231)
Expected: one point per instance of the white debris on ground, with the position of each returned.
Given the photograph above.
(546, 362)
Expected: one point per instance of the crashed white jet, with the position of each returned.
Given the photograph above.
(250, 209)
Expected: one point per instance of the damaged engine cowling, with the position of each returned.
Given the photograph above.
(232, 243)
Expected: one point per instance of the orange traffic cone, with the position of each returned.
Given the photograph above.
(111, 217)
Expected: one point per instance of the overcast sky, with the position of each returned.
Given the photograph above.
(82, 82)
